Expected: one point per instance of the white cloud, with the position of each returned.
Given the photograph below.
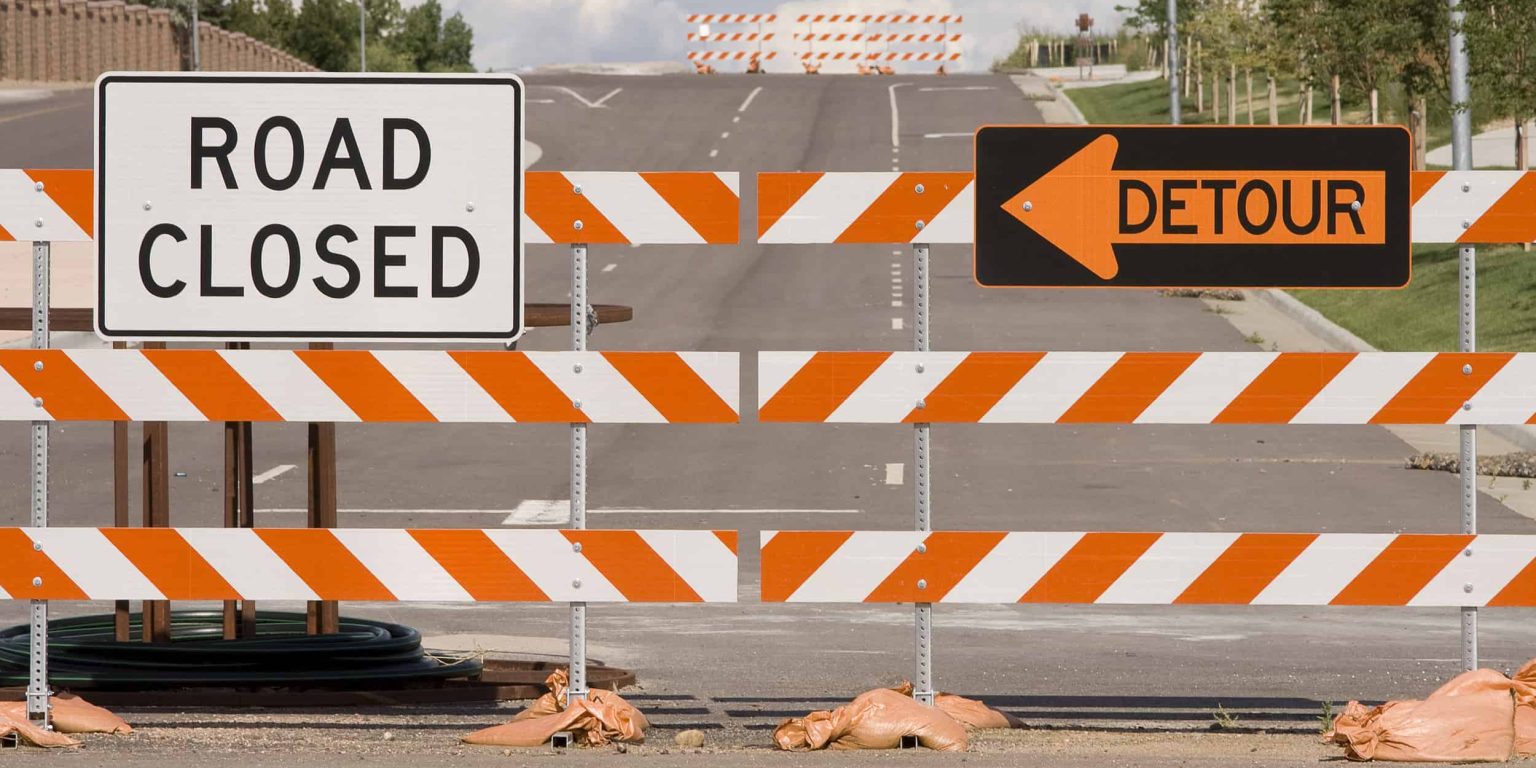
(526, 33)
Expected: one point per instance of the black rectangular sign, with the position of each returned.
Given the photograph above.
(1193, 206)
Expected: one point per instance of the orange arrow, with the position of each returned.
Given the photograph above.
(1085, 207)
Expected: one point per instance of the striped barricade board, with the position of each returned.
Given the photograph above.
(920, 207)
(1376, 569)
(375, 386)
(497, 565)
(641, 208)
(1148, 387)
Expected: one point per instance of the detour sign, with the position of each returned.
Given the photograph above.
(1198, 207)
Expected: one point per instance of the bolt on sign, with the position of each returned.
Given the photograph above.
(1189, 206)
(309, 207)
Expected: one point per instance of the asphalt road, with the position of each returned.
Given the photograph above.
(750, 663)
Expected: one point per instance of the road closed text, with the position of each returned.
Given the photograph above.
(174, 257)
(310, 207)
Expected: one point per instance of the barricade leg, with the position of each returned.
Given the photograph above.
(121, 611)
(324, 615)
(578, 667)
(922, 678)
(38, 692)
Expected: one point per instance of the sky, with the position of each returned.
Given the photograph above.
(520, 34)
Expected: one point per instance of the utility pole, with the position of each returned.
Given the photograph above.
(1173, 62)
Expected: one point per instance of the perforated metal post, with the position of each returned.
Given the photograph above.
(578, 670)
(1461, 160)
(1173, 62)
(922, 679)
(38, 692)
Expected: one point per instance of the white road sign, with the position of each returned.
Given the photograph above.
(309, 207)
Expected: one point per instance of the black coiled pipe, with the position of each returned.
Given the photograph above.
(83, 653)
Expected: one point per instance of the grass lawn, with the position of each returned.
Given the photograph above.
(1422, 317)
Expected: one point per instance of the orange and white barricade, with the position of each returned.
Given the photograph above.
(703, 33)
(496, 565)
(1215, 568)
(938, 207)
(634, 208)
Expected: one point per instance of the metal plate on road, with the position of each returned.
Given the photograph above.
(1191, 206)
(309, 207)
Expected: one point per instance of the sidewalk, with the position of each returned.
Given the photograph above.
(1492, 149)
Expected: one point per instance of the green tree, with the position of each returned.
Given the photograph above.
(325, 34)
(1501, 53)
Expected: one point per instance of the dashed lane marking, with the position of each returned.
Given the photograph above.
(750, 97)
(272, 473)
(958, 88)
(894, 473)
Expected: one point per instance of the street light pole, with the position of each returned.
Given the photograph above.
(197, 59)
(362, 36)
(1173, 62)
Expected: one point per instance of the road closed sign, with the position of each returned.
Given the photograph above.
(1165, 206)
(309, 207)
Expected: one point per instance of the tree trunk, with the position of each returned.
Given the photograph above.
(1215, 95)
(1188, 55)
(1375, 106)
(1248, 77)
(1522, 144)
(1335, 109)
(1199, 90)
(1232, 94)
(1274, 113)
(1418, 126)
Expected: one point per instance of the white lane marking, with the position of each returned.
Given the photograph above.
(896, 324)
(750, 97)
(958, 88)
(895, 118)
(558, 511)
(896, 303)
(610, 267)
(895, 167)
(610, 95)
(583, 99)
(541, 101)
(736, 118)
(725, 135)
(894, 473)
(714, 152)
(947, 135)
(272, 473)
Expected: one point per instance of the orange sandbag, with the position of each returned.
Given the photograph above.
(1469, 719)
(972, 714)
(877, 719)
(602, 717)
(975, 715)
(71, 714)
(1525, 709)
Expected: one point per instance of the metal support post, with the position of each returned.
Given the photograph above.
(121, 610)
(922, 682)
(38, 693)
(578, 670)
(1173, 62)
(197, 58)
(1461, 160)
(324, 616)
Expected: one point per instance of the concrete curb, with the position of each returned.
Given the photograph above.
(1077, 114)
(1336, 336)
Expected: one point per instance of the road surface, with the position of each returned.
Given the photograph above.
(744, 666)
